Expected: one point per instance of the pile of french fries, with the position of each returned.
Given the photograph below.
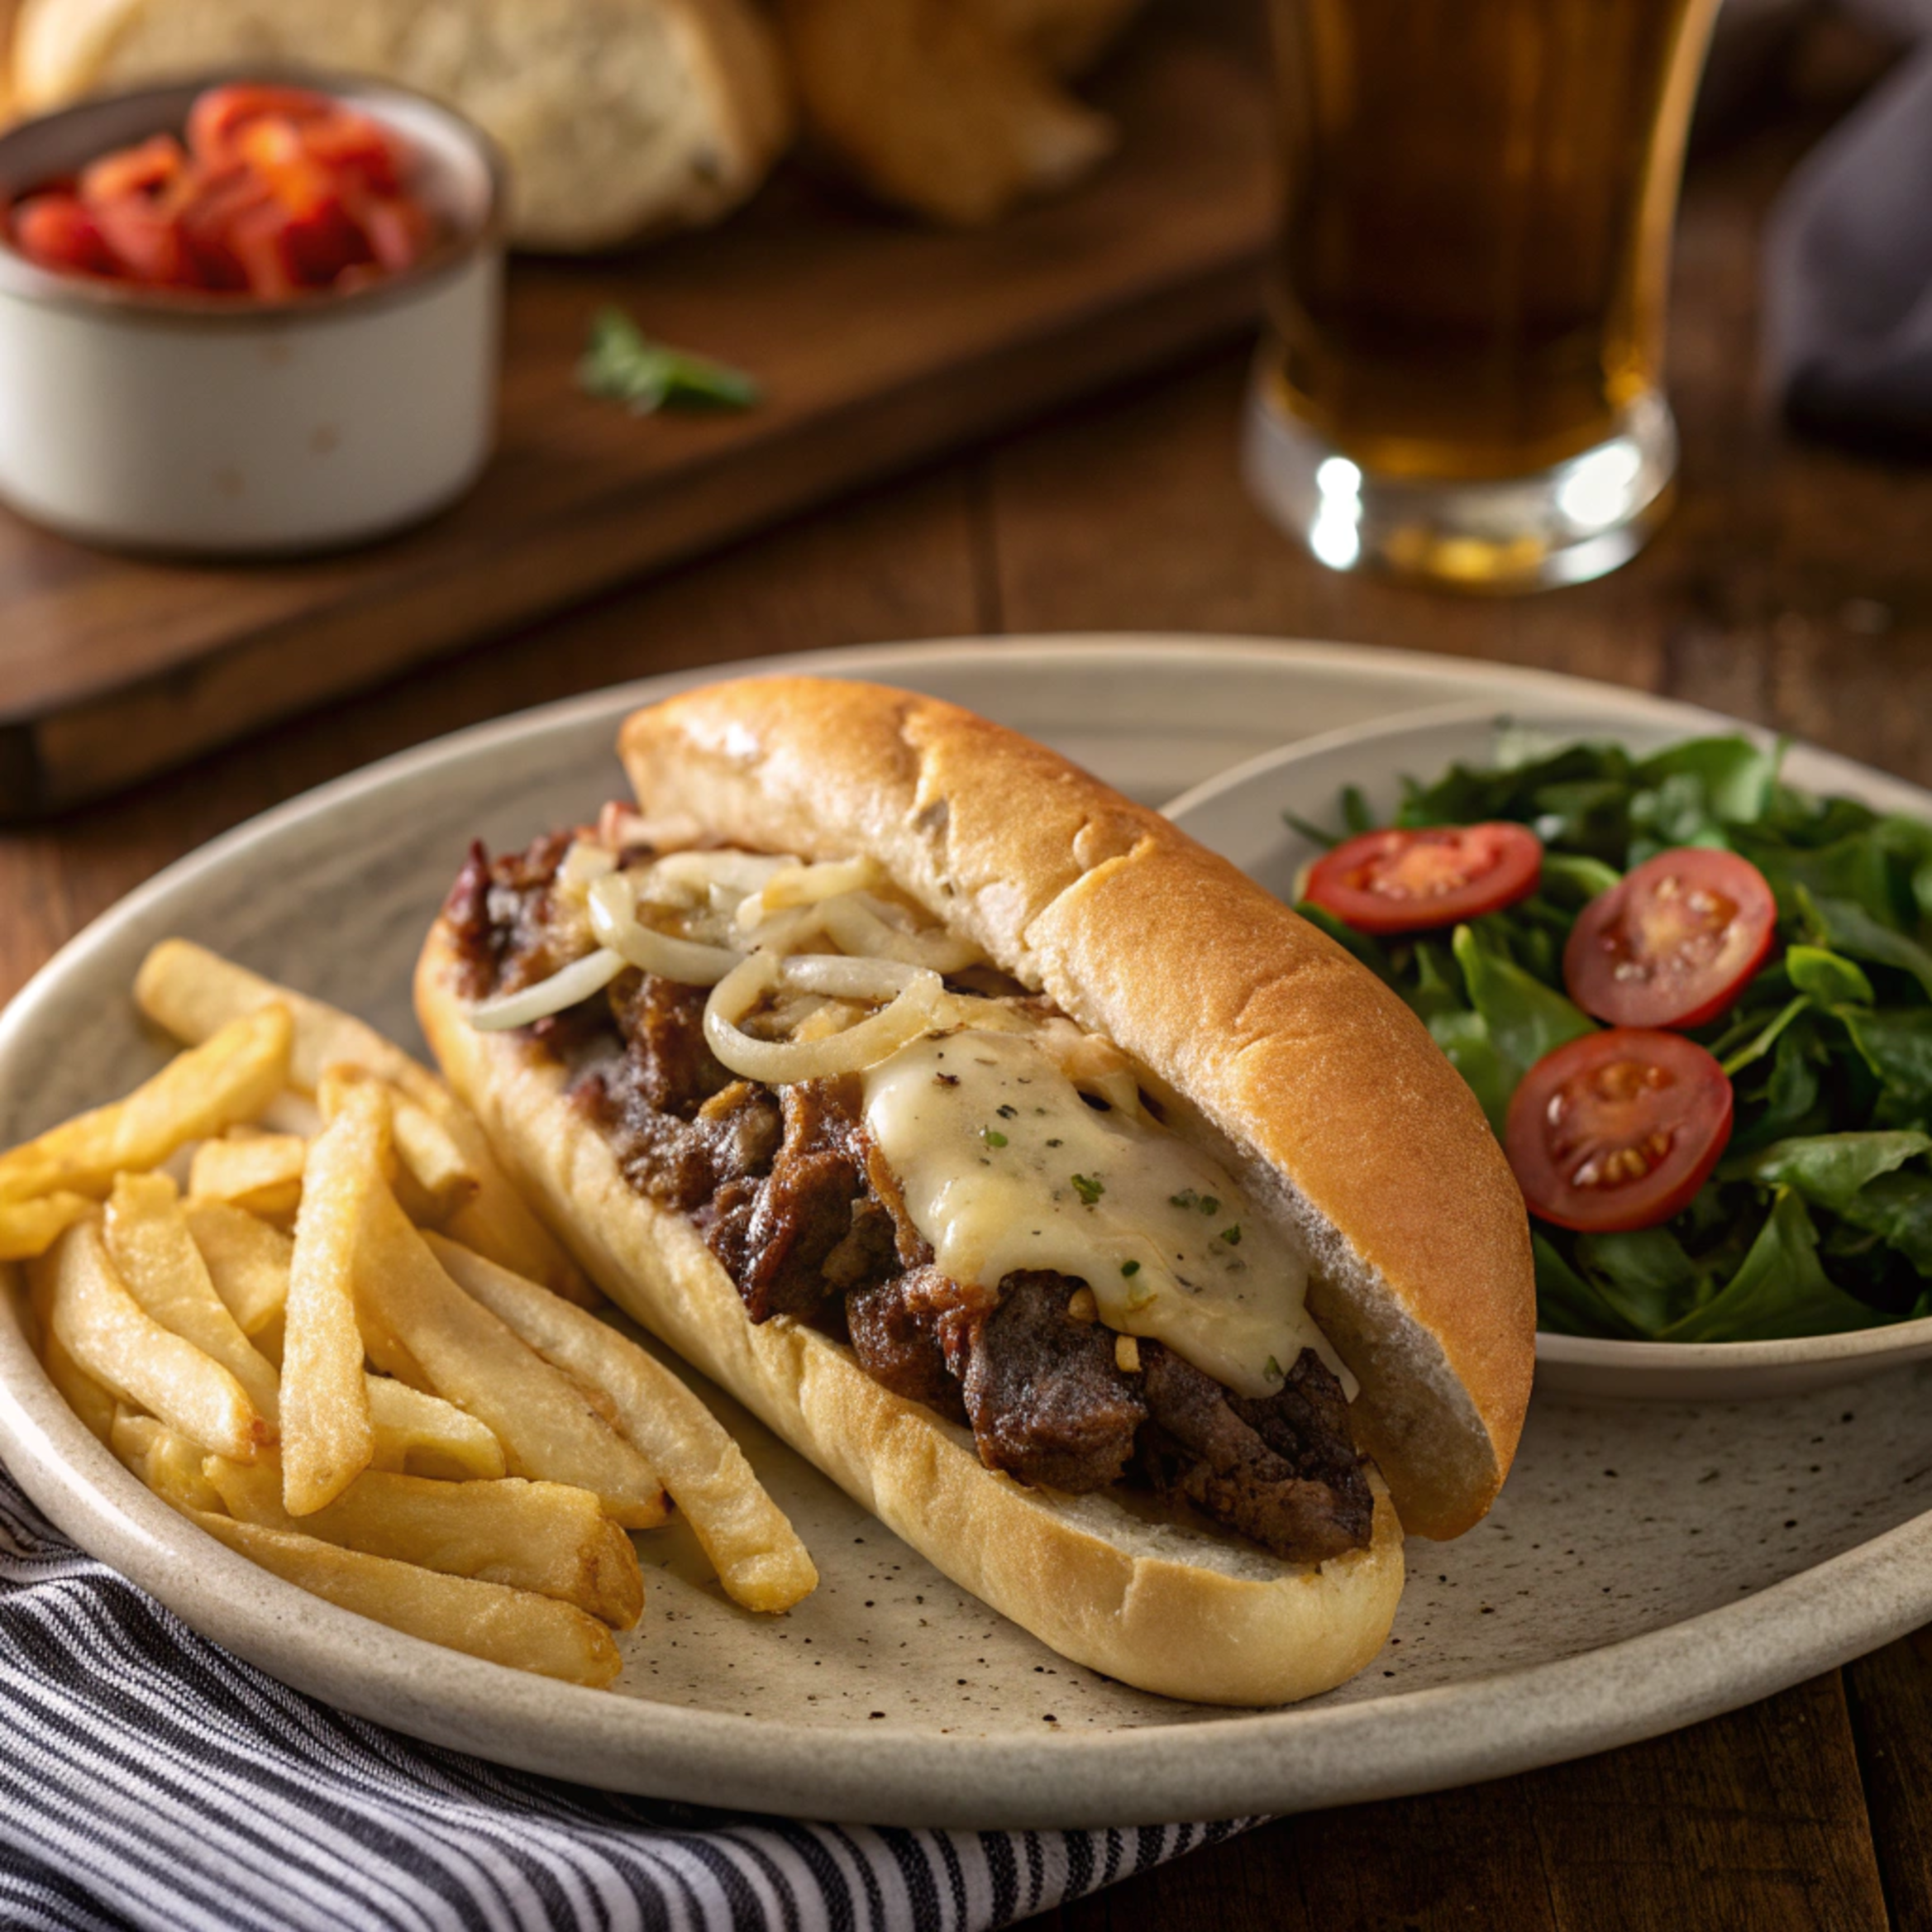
(349, 1349)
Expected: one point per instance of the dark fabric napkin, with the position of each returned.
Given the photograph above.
(1849, 264)
(149, 1779)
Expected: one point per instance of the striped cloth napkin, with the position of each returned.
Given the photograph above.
(149, 1779)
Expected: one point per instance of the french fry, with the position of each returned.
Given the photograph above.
(432, 1178)
(190, 991)
(420, 1434)
(507, 1626)
(149, 1243)
(261, 1173)
(427, 1173)
(291, 1112)
(539, 1536)
(547, 1429)
(758, 1557)
(168, 1463)
(327, 1439)
(29, 1228)
(247, 1261)
(78, 1389)
(110, 1336)
(430, 1155)
(235, 1073)
(500, 1222)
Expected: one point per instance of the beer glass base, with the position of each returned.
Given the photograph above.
(1564, 525)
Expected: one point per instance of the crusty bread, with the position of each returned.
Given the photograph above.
(950, 108)
(619, 117)
(9, 18)
(1069, 36)
(1166, 1608)
(1311, 1077)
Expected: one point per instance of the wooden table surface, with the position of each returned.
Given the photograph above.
(1792, 586)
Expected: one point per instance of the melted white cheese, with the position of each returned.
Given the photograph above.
(1004, 1166)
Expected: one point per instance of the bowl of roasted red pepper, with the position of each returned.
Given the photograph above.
(246, 315)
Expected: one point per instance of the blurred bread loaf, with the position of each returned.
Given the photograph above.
(619, 117)
(1069, 36)
(955, 109)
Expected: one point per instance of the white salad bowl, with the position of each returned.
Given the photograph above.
(1240, 814)
(222, 425)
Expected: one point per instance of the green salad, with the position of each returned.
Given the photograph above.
(1747, 1154)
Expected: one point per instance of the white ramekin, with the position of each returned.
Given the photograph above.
(214, 425)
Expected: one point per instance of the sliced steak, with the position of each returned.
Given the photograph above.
(1048, 1403)
(743, 1127)
(682, 1163)
(674, 1071)
(815, 1228)
(501, 914)
(1278, 1468)
(467, 909)
(898, 1328)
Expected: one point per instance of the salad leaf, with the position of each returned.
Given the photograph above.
(1831, 1170)
(1569, 1304)
(1677, 811)
(1365, 946)
(1575, 878)
(1762, 1042)
(1734, 776)
(1791, 1101)
(1849, 928)
(1827, 978)
(1526, 1019)
(1896, 1044)
(1897, 1208)
(1645, 1274)
(1465, 1040)
(1576, 797)
(1780, 1292)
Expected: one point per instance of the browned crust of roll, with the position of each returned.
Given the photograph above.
(1181, 1612)
(1310, 1072)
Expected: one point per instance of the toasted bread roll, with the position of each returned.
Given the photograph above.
(1262, 1041)
(952, 110)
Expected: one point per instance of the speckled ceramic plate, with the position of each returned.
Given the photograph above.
(1644, 1567)
(1239, 814)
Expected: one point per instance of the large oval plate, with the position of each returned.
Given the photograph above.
(1636, 1574)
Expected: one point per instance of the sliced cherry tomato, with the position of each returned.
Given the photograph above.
(1406, 880)
(1618, 1129)
(1674, 943)
(56, 232)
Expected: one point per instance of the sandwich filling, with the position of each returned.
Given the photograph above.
(878, 1132)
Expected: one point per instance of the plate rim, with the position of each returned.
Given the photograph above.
(1218, 1765)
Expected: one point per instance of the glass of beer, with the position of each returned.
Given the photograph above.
(1460, 376)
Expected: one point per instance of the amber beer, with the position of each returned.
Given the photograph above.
(1469, 281)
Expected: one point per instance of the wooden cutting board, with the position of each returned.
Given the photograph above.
(878, 343)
